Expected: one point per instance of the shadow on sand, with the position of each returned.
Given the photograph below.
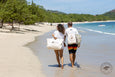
(55, 65)
(76, 64)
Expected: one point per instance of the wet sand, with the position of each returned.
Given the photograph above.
(95, 49)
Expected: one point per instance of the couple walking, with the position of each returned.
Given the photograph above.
(61, 33)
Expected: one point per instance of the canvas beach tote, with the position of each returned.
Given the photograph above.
(55, 44)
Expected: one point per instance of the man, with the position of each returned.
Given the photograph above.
(72, 46)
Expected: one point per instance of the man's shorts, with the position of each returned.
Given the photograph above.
(72, 48)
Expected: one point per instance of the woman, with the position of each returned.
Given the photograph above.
(59, 34)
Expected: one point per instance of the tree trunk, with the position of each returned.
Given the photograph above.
(2, 23)
(19, 25)
(12, 25)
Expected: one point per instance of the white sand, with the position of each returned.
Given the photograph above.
(16, 60)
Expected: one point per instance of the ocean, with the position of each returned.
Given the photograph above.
(100, 27)
(97, 48)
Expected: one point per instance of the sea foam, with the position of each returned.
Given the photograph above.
(98, 31)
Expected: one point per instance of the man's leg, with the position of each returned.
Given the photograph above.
(71, 58)
(74, 56)
(74, 52)
(70, 48)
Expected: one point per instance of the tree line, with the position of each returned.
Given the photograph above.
(21, 11)
(110, 14)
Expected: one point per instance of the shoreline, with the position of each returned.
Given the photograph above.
(55, 24)
(82, 22)
(93, 21)
(16, 59)
(90, 56)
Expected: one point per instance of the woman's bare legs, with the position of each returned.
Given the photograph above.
(61, 57)
(57, 57)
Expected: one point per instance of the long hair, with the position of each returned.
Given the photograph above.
(61, 28)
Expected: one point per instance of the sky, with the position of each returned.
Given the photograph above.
(93, 7)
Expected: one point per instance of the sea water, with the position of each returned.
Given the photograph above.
(106, 28)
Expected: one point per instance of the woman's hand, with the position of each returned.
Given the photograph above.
(54, 36)
(78, 45)
(64, 45)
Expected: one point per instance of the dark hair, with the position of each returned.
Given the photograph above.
(70, 24)
(61, 28)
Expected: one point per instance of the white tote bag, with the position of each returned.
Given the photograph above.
(54, 44)
(78, 38)
(72, 39)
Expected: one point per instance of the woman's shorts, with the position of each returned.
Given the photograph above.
(72, 48)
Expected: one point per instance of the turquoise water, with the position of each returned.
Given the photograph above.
(108, 28)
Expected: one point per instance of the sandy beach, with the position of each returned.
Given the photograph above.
(24, 54)
(27, 27)
(95, 49)
(17, 60)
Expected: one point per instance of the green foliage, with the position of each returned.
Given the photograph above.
(110, 14)
(3, 1)
(22, 12)
(30, 19)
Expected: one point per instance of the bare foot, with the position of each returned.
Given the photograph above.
(62, 66)
(72, 65)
